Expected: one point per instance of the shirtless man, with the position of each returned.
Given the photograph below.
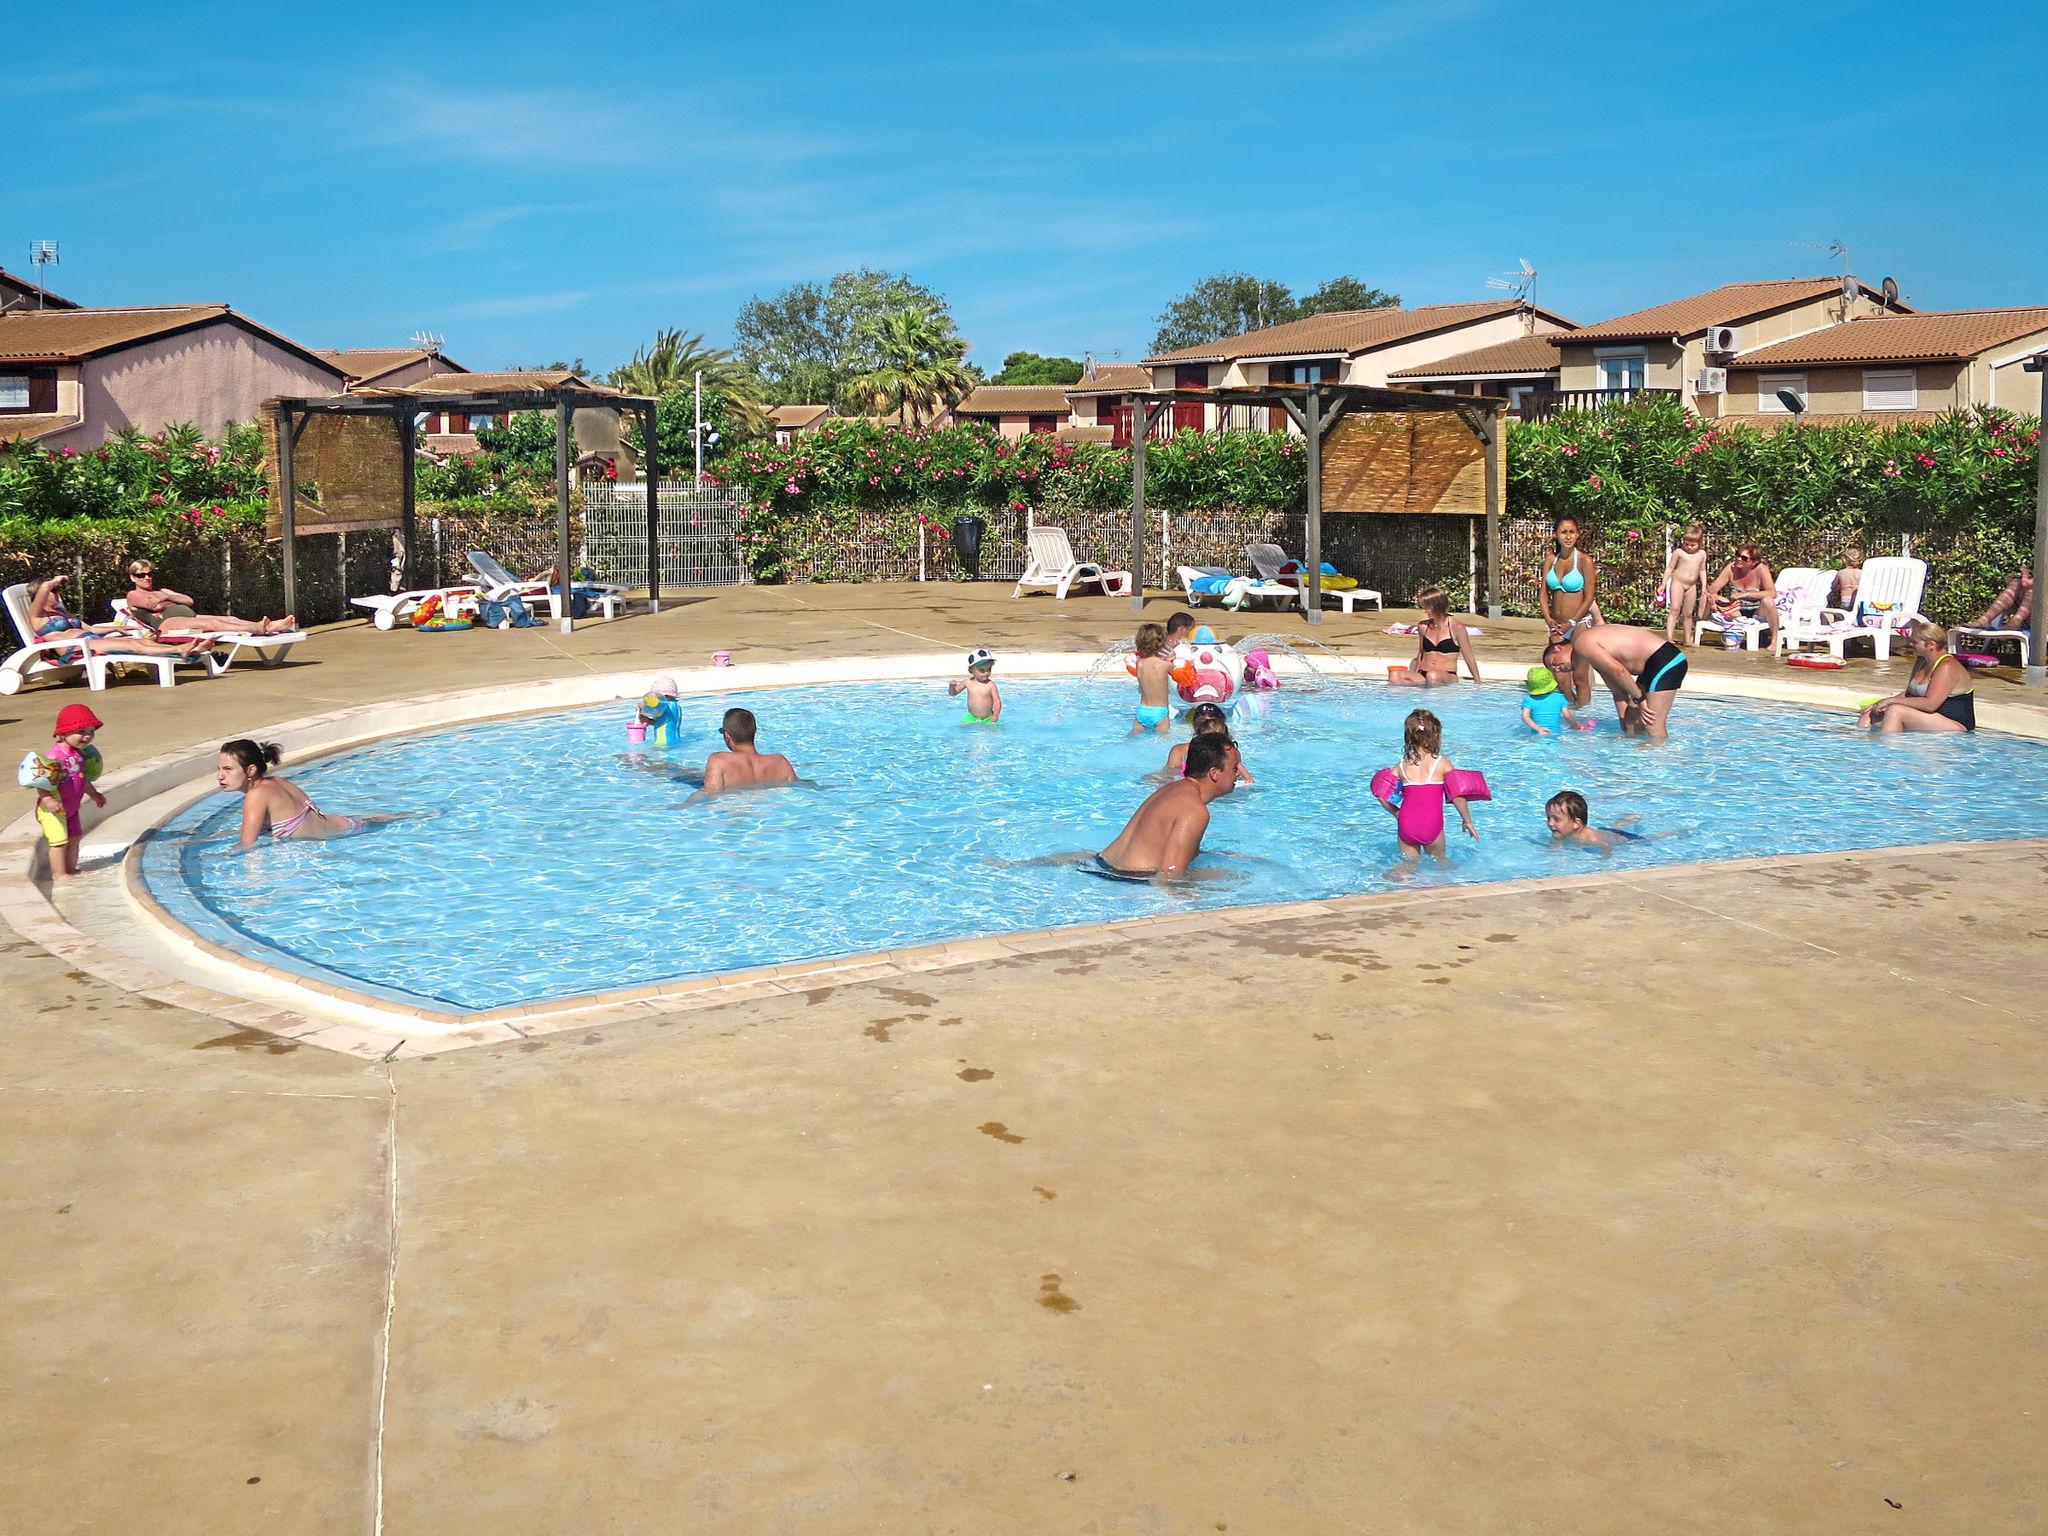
(1644, 671)
(1163, 838)
(740, 766)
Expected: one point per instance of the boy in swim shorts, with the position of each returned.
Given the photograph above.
(1153, 712)
(74, 763)
(1565, 813)
(984, 698)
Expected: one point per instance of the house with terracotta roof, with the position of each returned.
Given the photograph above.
(791, 421)
(1016, 410)
(1925, 363)
(71, 378)
(1102, 400)
(1684, 346)
(397, 367)
(1356, 346)
(1523, 371)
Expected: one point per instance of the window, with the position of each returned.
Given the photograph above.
(13, 391)
(1767, 387)
(1518, 396)
(1623, 370)
(1044, 421)
(1890, 389)
(1191, 376)
(1322, 371)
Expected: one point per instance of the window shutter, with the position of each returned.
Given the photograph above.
(1890, 389)
(42, 393)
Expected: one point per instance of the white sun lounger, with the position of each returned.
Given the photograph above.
(1247, 589)
(1978, 636)
(1804, 617)
(1272, 562)
(499, 584)
(1052, 564)
(64, 659)
(394, 609)
(228, 644)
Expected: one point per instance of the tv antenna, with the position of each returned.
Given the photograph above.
(1522, 283)
(41, 254)
(427, 341)
(1835, 248)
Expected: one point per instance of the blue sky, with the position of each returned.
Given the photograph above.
(535, 185)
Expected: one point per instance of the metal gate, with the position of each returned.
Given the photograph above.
(698, 532)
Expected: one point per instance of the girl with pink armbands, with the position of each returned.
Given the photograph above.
(1414, 791)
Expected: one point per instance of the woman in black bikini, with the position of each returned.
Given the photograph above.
(1939, 696)
(1440, 643)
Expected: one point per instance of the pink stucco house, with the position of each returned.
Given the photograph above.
(71, 378)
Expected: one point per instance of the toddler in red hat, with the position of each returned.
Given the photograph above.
(74, 762)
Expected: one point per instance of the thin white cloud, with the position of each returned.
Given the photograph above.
(523, 304)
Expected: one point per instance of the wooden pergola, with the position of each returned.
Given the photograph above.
(1316, 409)
(473, 395)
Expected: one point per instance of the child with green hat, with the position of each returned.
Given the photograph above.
(1546, 710)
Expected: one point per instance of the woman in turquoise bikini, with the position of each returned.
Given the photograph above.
(1568, 593)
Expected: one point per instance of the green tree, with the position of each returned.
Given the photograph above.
(807, 344)
(1030, 368)
(670, 365)
(918, 364)
(1342, 293)
(1232, 303)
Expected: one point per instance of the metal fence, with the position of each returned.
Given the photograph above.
(697, 529)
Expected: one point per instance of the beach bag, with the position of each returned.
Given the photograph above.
(507, 613)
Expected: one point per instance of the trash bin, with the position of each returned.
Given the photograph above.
(967, 532)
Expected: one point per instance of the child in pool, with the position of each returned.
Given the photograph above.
(1545, 709)
(984, 698)
(1421, 776)
(1151, 669)
(1208, 720)
(1565, 813)
(74, 762)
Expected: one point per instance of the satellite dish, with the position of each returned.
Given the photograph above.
(1850, 288)
(1890, 290)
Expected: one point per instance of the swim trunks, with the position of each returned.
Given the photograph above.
(58, 830)
(971, 718)
(1151, 716)
(1664, 671)
(1104, 870)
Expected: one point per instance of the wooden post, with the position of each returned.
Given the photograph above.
(563, 566)
(288, 499)
(1490, 438)
(408, 499)
(1141, 427)
(1312, 426)
(2037, 655)
(650, 466)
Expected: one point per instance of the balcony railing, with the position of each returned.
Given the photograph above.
(1545, 404)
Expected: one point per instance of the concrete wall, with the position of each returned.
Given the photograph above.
(1840, 390)
(210, 375)
(2000, 377)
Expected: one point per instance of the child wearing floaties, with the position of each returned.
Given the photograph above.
(1566, 813)
(1545, 709)
(1414, 791)
(984, 698)
(62, 779)
(1151, 670)
(1208, 720)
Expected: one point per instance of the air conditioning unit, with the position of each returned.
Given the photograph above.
(1712, 381)
(1724, 338)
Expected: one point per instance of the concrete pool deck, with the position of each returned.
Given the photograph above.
(1502, 1212)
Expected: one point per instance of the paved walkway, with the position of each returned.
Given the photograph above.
(1489, 1210)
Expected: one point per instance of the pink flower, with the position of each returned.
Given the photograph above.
(792, 487)
(69, 454)
(874, 479)
(1017, 506)
(1635, 533)
(1593, 481)
(1891, 468)
(1571, 450)
(1926, 459)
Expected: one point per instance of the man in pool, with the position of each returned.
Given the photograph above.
(741, 765)
(1162, 839)
(1644, 671)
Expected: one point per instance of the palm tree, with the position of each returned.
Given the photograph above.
(919, 364)
(670, 367)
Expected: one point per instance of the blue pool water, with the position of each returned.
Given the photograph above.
(550, 867)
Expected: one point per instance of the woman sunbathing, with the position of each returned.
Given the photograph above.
(48, 619)
(155, 606)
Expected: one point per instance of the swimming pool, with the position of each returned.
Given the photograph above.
(549, 866)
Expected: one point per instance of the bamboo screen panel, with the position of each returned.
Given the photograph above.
(1404, 461)
(351, 473)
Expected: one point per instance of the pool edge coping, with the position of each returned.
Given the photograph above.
(29, 909)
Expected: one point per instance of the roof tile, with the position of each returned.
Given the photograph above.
(1525, 354)
(1346, 331)
(1013, 399)
(1726, 305)
(1930, 336)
